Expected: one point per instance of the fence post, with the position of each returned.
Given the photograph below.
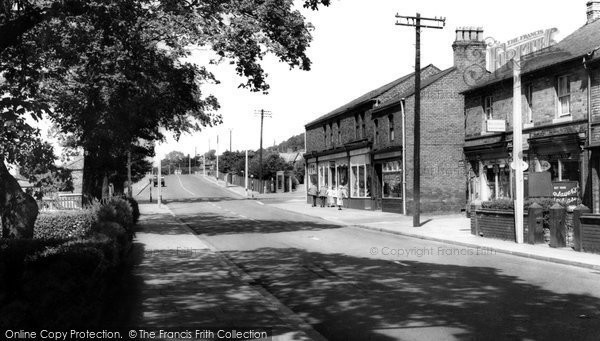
(535, 224)
(577, 212)
(557, 226)
(475, 205)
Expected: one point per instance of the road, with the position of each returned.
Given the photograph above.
(355, 284)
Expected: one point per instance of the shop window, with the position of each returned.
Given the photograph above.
(343, 175)
(360, 181)
(323, 176)
(332, 173)
(564, 170)
(529, 98)
(392, 179)
(391, 125)
(313, 177)
(497, 181)
(564, 96)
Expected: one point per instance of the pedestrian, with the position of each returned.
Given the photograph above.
(312, 191)
(341, 194)
(330, 195)
(323, 195)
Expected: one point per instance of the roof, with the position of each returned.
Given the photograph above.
(583, 41)
(291, 157)
(427, 82)
(369, 96)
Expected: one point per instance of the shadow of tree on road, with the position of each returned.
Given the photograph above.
(193, 290)
(352, 298)
(210, 224)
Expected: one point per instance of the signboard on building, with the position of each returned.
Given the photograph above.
(496, 126)
(566, 192)
(498, 54)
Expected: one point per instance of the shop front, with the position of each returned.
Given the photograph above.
(489, 172)
(388, 181)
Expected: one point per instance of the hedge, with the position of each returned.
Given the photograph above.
(508, 204)
(64, 224)
(66, 276)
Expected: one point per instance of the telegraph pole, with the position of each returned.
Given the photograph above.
(230, 139)
(262, 114)
(418, 23)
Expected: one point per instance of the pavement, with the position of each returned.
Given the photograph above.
(184, 283)
(449, 228)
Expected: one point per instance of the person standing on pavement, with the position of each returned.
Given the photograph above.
(323, 195)
(341, 194)
(330, 195)
(312, 191)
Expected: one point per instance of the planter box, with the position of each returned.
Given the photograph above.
(590, 233)
(498, 224)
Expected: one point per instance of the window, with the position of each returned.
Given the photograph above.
(331, 134)
(564, 96)
(376, 123)
(529, 98)
(324, 175)
(392, 179)
(488, 107)
(564, 170)
(356, 127)
(360, 177)
(339, 133)
(312, 175)
(325, 135)
(363, 130)
(391, 125)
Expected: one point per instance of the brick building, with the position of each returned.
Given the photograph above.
(367, 144)
(561, 120)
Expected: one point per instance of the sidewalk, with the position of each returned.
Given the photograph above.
(450, 229)
(185, 284)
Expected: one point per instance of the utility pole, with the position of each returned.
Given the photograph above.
(189, 164)
(217, 155)
(230, 139)
(418, 23)
(262, 114)
(129, 190)
(518, 150)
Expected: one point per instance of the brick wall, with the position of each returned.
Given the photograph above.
(443, 181)
(544, 99)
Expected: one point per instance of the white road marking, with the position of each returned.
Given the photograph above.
(185, 189)
(260, 203)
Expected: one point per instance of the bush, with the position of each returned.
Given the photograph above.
(499, 204)
(119, 211)
(64, 224)
(135, 208)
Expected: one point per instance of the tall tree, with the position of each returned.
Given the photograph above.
(111, 72)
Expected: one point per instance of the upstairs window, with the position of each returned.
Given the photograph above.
(325, 135)
(488, 107)
(376, 126)
(363, 130)
(391, 125)
(331, 134)
(339, 133)
(356, 127)
(529, 98)
(564, 96)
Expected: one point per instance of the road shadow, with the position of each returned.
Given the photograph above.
(352, 298)
(200, 200)
(190, 290)
(211, 224)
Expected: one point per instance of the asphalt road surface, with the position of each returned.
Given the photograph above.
(354, 284)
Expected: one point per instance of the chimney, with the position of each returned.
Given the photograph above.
(469, 48)
(593, 11)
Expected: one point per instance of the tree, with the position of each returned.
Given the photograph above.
(272, 163)
(111, 72)
(232, 162)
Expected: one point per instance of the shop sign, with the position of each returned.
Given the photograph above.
(566, 192)
(496, 126)
(498, 54)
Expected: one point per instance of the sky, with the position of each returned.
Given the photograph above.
(356, 48)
